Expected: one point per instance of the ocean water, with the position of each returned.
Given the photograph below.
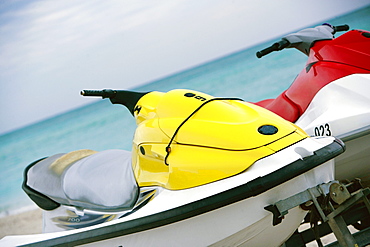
(100, 126)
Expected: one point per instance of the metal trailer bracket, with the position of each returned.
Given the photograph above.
(344, 202)
(282, 207)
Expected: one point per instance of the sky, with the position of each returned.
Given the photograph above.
(51, 50)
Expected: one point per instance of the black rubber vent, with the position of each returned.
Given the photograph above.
(189, 95)
(267, 130)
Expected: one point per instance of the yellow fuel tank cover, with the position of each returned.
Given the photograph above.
(226, 124)
(210, 141)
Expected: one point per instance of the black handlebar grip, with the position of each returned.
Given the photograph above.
(341, 28)
(91, 92)
(105, 93)
(266, 51)
(278, 46)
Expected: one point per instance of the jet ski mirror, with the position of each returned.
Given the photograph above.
(123, 97)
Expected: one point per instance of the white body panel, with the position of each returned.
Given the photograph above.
(342, 109)
(245, 223)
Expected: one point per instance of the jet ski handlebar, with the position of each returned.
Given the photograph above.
(341, 28)
(122, 97)
(278, 46)
(306, 35)
(105, 93)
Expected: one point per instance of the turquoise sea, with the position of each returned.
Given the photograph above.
(101, 126)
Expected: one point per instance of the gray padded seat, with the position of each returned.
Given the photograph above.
(101, 181)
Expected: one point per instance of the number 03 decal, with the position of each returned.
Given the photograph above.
(323, 130)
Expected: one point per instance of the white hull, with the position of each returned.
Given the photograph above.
(229, 221)
(342, 109)
(355, 161)
(245, 223)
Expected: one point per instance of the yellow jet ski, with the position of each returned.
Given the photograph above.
(201, 171)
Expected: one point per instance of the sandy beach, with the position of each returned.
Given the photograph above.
(29, 222)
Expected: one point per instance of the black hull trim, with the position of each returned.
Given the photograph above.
(40, 199)
(242, 192)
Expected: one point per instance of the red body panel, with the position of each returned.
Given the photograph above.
(329, 60)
